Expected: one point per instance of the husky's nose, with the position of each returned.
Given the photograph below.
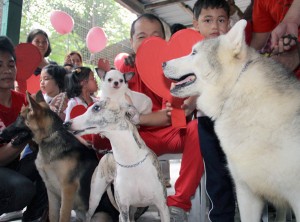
(67, 125)
(164, 64)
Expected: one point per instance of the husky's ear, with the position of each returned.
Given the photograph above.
(236, 36)
(128, 76)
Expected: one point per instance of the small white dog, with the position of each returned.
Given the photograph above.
(136, 172)
(133, 168)
(255, 103)
(114, 86)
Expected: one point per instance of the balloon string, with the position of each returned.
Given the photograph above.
(92, 58)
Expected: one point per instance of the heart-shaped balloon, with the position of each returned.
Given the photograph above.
(150, 57)
(28, 59)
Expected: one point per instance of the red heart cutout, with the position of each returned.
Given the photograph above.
(154, 51)
(150, 57)
(104, 64)
(28, 58)
(77, 111)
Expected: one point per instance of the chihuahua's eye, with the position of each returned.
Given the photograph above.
(110, 79)
(96, 108)
(194, 52)
(121, 80)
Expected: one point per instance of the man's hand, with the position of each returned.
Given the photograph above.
(130, 60)
(279, 40)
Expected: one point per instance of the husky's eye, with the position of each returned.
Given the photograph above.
(96, 108)
(194, 52)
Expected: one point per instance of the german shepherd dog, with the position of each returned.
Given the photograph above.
(256, 107)
(65, 164)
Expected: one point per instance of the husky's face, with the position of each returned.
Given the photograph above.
(204, 67)
(103, 116)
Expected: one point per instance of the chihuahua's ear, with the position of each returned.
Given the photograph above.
(101, 73)
(128, 76)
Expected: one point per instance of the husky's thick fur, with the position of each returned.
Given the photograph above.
(136, 173)
(255, 103)
(64, 163)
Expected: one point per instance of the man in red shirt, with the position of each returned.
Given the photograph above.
(16, 189)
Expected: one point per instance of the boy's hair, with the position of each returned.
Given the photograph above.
(205, 4)
(36, 32)
(150, 17)
(6, 45)
(176, 27)
(58, 73)
(73, 80)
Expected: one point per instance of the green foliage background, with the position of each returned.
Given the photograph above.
(107, 14)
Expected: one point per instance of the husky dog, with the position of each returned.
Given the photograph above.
(114, 85)
(64, 163)
(255, 103)
(136, 173)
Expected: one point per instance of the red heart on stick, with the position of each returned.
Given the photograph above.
(77, 111)
(150, 57)
(28, 59)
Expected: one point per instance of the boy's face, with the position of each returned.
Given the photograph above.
(145, 28)
(212, 22)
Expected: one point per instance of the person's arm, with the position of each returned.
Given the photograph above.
(259, 40)
(8, 153)
(289, 25)
(158, 118)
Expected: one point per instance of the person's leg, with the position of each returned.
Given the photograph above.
(186, 141)
(16, 191)
(39, 204)
(219, 185)
(191, 168)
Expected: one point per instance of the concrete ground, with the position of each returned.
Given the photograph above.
(152, 214)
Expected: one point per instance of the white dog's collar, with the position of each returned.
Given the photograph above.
(135, 164)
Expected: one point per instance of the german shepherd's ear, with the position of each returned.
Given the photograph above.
(39, 97)
(34, 106)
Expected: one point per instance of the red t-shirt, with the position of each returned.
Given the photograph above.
(9, 114)
(267, 14)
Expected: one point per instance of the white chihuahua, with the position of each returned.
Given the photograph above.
(114, 86)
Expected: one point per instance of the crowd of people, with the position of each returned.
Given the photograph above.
(66, 86)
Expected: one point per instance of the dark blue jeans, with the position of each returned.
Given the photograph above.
(219, 186)
(16, 191)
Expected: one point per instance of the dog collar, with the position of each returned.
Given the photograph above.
(133, 165)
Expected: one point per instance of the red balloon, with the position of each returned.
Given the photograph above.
(96, 39)
(62, 22)
(119, 60)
